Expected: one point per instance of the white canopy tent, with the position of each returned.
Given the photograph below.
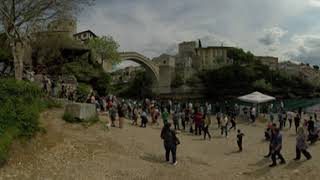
(256, 98)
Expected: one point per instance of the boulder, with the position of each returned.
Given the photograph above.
(81, 111)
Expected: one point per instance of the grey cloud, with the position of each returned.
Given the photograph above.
(272, 36)
(307, 50)
(157, 26)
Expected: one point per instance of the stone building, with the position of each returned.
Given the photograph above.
(193, 58)
(270, 61)
(212, 57)
(85, 35)
(123, 76)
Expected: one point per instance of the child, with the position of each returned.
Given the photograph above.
(239, 140)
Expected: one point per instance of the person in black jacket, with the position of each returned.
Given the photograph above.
(170, 142)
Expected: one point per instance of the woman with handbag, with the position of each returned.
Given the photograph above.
(170, 141)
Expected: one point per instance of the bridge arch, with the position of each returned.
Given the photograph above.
(145, 62)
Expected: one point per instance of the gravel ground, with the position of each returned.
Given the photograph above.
(73, 151)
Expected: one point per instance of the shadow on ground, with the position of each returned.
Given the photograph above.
(153, 158)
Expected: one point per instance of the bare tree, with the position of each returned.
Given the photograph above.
(20, 18)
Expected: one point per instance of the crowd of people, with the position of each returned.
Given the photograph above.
(196, 119)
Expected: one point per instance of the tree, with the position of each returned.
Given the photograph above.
(239, 56)
(316, 67)
(20, 18)
(104, 48)
(261, 84)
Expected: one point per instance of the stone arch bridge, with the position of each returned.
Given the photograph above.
(161, 74)
(145, 62)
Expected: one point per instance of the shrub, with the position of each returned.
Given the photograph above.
(261, 84)
(21, 104)
(82, 92)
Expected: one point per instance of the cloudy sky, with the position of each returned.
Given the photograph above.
(289, 29)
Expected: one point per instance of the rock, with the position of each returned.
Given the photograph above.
(81, 111)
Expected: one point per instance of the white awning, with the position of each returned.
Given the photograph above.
(256, 98)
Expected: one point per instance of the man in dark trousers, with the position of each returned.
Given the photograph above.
(276, 148)
(239, 139)
(271, 139)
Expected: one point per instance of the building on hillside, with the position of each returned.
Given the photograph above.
(192, 58)
(212, 57)
(270, 61)
(63, 25)
(305, 72)
(123, 76)
(85, 35)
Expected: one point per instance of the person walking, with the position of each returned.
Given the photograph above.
(301, 144)
(175, 118)
(310, 125)
(113, 115)
(219, 119)
(135, 116)
(290, 117)
(224, 126)
(276, 148)
(121, 114)
(284, 118)
(170, 142)
(239, 139)
(297, 120)
(207, 123)
(156, 115)
(273, 126)
(197, 121)
(253, 114)
(233, 123)
(165, 116)
(144, 119)
(182, 119)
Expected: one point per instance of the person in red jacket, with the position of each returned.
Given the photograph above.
(197, 121)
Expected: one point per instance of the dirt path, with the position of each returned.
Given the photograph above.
(72, 151)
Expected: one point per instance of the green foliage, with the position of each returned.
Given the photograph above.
(104, 48)
(83, 71)
(50, 103)
(83, 90)
(21, 104)
(102, 84)
(235, 80)
(239, 56)
(316, 67)
(261, 84)
(140, 87)
(90, 74)
(177, 81)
